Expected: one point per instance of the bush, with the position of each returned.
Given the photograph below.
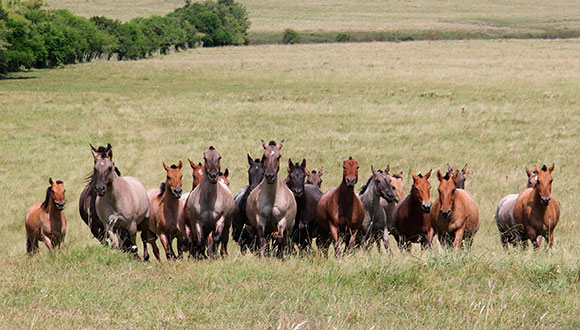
(290, 37)
(343, 37)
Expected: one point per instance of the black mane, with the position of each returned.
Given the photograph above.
(161, 189)
(173, 166)
(398, 176)
(272, 143)
(544, 168)
(44, 205)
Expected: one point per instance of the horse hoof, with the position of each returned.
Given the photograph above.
(133, 249)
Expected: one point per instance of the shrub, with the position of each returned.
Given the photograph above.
(290, 37)
(343, 37)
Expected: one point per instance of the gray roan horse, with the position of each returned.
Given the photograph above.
(210, 206)
(121, 203)
(271, 208)
(374, 228)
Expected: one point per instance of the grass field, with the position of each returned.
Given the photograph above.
(497, 105)
(375, 19)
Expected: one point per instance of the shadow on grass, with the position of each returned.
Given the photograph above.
(12, 77)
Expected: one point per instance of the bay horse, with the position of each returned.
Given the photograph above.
(87, 208)
(121, 204)
(165, 207)
(315, 177)
(412, 221)
(46, 221)
(271, 207)
(374, 228)
(210, 207)
(460, 181)
(340, 212)
(398, 188)
(536, 211)
(240, 223)
(454, 214)
(504, 215)
(307, 197)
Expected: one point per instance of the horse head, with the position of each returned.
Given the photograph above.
(421, 190)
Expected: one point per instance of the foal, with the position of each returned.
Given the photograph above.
(46, 221)
(314, 177)
(460, 181)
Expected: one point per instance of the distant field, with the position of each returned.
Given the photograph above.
(497, 105)
(461, 16)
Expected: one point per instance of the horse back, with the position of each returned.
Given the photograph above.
(328, 205)
(139, 195)
(467, 210)
(504, 214)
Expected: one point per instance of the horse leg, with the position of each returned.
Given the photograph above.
(428, 242)
(334, 235)
(217, 234)
(550, 239)
(201, 241)
(261, 239)
(458, 238)
(47, 241)
(165, 242)
(386, 243)
(225, 237)
(31, 244)
(352, 241)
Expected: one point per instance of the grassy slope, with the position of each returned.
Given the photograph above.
(496, 105)
(448, 18)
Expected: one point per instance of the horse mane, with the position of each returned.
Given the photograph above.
(420, 175)
(102, 151)
(257, 160)
(173, 166)
(397, 176)
(544, 168)
(272, 143)
(44, 204)
(211, 148)
(365, 186)
(162, 189)
(446, 177)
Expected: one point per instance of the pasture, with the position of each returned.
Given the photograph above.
(497, 105)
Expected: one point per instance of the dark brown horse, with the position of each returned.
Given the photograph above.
(240, 224)
(460, 181)
(315, 177)
(340, 212)
(536, 211)
(307, 197)
(412, 222)
(454, 215)
(46, 221)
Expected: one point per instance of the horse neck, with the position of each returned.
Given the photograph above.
(272, 189)
(536, 201)
(118, 188)
(345, 194)
(414, 205)
(51, 209)
(208, 190)
(370, 196)
(170, 203)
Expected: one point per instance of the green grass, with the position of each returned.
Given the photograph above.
(497, 105)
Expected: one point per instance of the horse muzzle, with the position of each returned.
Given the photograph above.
(100, 190)
(213, 177)
(350, 182)
(389, 198)
(270, 178)
(545, 200)
(176, 192)
(60, 206)
(446, 214)
(298, 193)
(426, 207)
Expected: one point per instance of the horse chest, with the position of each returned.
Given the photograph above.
(271, 211)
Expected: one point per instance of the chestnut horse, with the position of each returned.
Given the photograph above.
(536, 211)
(240, 223)
(46, 221)
(374, 228)
(340, 212)
(122, 203)
(412, 222)
(504, 215)
(460, 181)
(210, 207)
(271, 207)
(454, 214)
(165, 206)
(314, 177)
(307, 197)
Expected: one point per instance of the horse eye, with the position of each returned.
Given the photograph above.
(168, 177)
(357, 167)
(344, 167)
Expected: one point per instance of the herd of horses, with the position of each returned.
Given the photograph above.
(274, 215)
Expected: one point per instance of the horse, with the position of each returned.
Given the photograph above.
(46, 221)
(223, 178)
(460, 182)
(504, 214)
(240, 231)
(412, 221)
(398, 188)
(315, 178)
(87, 208)
(121, 204)
(340, 212)
(210, 207)
(536, 212)
(271, 207)
(454, 214)
(165, 207)
(374, 228)
(307, 197)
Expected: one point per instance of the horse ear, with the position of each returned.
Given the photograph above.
(551, 169)
(413, 175)
(290, 164)
(303, 165)
(50, 181)
(321, 171)
(165, 166)
(109, 151)
(449, 169)
(387, 169)
(180, 165)
(528, 172)
(536, 169)
(192, 164)
(454, 176)
(439, 176)
(373, 170)
(279, 146)
(428, 174)
(464, 169)
(263, 144)
(94, 152)
(226, 173)
(250, 160)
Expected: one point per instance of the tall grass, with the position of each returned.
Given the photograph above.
(497, 105)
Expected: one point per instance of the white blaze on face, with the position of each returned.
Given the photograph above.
(272, 152)
(102, 162)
